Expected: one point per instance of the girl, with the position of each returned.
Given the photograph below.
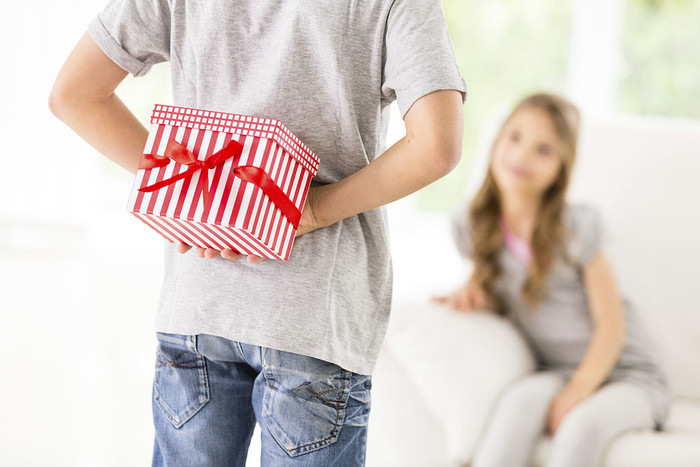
(539, 261)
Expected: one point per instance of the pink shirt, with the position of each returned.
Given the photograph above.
(518, 246)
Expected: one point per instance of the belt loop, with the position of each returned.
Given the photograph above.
(192, 343)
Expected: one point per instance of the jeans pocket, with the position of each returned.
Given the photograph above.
(181, 384)
(304, 401)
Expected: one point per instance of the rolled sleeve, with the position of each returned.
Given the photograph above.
(134, 34)
(418, 54)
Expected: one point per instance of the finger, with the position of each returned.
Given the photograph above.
(477, 295)
(549, 417)
(231, 255)
(463, 303)
(200, 251)
(472, 304)
(555, 425)
(550, 425)
(254, 259)
(456, 301)
(553, 419)
(183, 248)
(211, 253)
(452, 303)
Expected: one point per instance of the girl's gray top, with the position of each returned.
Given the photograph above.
(560, 329)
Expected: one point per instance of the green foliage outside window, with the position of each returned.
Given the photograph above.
(661, 58)
(506, 49)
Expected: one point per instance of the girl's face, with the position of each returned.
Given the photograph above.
(527, 156)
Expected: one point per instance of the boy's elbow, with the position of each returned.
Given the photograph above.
(444, 158)
(451, 159)
(68, 95)
(58, 100)
(435, 123)
(63, 98)
(53, 103)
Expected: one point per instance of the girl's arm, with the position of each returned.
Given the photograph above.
(605, 306)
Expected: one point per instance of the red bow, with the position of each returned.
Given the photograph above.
(179, 153)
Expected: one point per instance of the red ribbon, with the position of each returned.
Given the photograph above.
(259, 177)
(179, 153)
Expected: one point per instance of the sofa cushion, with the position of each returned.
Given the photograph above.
(402, 431)
(678, 445)
(458, 364)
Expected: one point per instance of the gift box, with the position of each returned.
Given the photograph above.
(222, 180)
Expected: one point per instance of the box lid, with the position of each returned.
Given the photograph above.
(240, 124)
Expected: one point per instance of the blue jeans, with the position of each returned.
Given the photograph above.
(209, 391)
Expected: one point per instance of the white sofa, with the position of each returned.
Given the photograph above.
(440, 372)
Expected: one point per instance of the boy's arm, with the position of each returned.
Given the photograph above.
(83, 98)
(431, 148)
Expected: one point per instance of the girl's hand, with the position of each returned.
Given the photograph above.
(467, 298)
(567, 399)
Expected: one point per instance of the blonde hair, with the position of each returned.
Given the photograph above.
(548, 236)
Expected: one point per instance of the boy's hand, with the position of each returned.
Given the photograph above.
(467, 298)
(213, 253)
(307, 223)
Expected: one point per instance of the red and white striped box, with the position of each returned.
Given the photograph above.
(222, 180)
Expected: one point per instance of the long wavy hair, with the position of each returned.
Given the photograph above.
(549, 234)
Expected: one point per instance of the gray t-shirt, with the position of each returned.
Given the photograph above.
(560, 329)
(328, 70)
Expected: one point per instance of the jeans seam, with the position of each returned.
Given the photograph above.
(240, 350)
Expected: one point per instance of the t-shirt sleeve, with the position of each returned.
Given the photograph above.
(589, 232)
(135, 34)
(418, 54)
(461, 233)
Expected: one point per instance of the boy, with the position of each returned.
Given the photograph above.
(289, 344)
